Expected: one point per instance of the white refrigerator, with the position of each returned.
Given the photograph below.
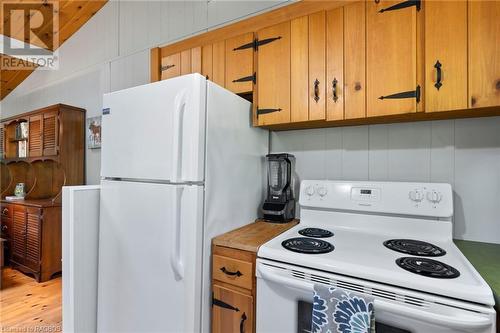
(180, 164)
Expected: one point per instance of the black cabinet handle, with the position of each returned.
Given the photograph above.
(225, 271)
(266, 111)
(224, 305)
(401, 5)
(334, 90)
(316, 90)
(405, 94)
(438, 83)
(242, 322)
(164, 68)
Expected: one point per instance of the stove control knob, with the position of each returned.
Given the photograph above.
(434, 196)
(416, 195)
(309, 191)
(322, 191)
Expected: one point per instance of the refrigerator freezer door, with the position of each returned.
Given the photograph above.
(150, 252)
(155, 131)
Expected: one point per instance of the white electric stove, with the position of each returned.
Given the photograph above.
(392, 241)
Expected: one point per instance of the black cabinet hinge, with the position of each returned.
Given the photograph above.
(164, 68)
(222, 304)
(405, 94)
(252, 78)
(401, 5)
(256, 43)
(266, 111)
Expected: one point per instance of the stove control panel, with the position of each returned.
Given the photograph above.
(419, 199)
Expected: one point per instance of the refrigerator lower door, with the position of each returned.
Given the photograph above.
(150, 257)
(155, 131)
(80, 241)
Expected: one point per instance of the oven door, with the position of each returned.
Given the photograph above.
(285, 293)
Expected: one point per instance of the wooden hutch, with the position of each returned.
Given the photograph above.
(45, 150)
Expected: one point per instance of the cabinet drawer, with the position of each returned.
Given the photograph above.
(6, 228)
(233, 271)
(231, 311)
(6, 211)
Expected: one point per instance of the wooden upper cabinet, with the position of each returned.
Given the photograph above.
(50, 141)
(239, 63)
(484, 53)
(35, 136)
(391, 58)
(219, 63)
(171, 66)
(206, 61)
(232, 311)
(317, 66)
(196, 60)
(185, 62)
(335, 64)
(445, 55)
(273, 75)
(299, 76)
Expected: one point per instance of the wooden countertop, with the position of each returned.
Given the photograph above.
(251, 236)
(39, 203)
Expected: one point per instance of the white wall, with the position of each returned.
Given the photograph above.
(111, 52)
(464, 153)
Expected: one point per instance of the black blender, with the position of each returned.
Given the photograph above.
(279, 205)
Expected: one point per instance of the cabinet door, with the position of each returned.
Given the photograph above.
(335, 64)
(171, 66)
(35, 136)
(186, 62)
(239, 63)
(484, 53)
(206, 61)
(317, 65)
(196, 60)
(219, 63)
(231, 311)
(445, 55)
(273, 75)
(2, 142)
(299, 62)
(33, 233)
(391, 57)
(19, 234)
(50, 133)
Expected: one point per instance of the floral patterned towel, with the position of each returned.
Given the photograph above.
(336, 310)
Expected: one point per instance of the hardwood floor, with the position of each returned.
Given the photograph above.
(28, 306)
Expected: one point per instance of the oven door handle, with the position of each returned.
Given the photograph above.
(456, 322)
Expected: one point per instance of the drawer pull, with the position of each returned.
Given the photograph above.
(334, 90)
(219, 303)
(4, 228)
(225, 271)
(5, 211)
(242, 322)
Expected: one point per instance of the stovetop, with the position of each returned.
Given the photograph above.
(363, 255)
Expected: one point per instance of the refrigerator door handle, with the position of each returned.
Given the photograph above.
(175, 259)
(177, 136)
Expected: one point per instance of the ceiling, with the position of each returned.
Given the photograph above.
(71, 16)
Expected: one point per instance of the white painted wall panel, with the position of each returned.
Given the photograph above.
(464, 153)
(130, 71)
(222, 11)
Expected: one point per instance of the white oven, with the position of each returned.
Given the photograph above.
(285, 292)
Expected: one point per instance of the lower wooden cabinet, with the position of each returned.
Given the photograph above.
(232, 311)
(233, 290)
(35, 240)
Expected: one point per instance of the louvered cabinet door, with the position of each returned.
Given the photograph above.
(19, 234)
(35, 136)
(33, 233)
(2, 142)
(50, 134)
